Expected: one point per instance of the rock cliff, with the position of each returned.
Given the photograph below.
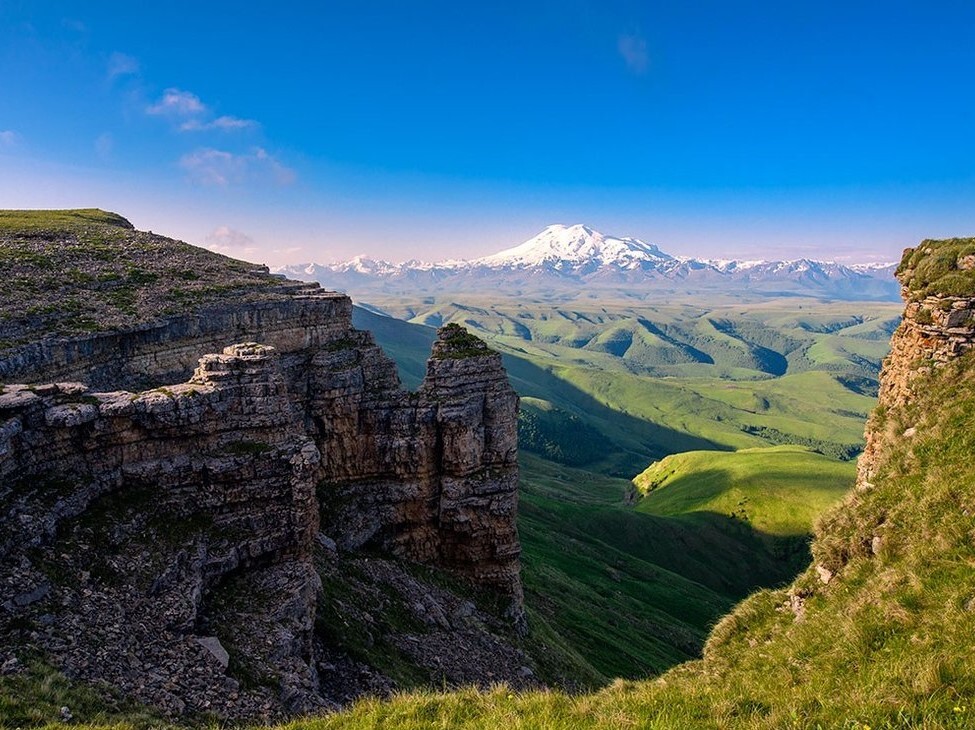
(938, 326)
(189, 504)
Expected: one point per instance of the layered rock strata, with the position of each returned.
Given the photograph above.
(935, 329)
(298, 317)
(433, 478)
(164, 540)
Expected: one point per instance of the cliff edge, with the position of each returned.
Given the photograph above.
(938, 326)
(204, 467)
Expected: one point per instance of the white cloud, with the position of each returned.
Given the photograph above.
(177, 103)
(224, 124)
(633, 49)
(208, 166)
(230, 242)
(8, 138)
(191, 115)
(213, 167)
(121, 64)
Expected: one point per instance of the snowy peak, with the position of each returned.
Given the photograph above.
(560, 246)
(359, 265)
(570, 257)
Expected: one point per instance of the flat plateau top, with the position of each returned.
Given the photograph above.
(939, 268)
(67, 273)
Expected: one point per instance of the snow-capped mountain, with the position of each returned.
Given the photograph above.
(573, 247)
(579, 257)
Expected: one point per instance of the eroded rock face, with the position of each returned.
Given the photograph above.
(135, 510)
(164, 540)
(166, 351)
(935, 330)
(434, 478)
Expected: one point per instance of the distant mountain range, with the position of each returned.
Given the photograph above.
(564, 258)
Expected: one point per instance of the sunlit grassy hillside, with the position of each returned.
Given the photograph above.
(779, 490)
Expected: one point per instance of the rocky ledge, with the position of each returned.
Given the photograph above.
(209, 526)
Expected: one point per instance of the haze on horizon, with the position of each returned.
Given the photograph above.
(436, 130)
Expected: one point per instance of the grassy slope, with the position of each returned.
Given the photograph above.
(717, 410)
(622, 613)
(72, 272)
(779, 490)
(885, 644)
(632, 592)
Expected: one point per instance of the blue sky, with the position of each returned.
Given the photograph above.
(318, 131)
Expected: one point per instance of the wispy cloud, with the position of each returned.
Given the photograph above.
(209, 166)
(224, 124)
(8, 138)
(122, 64)
(282, 175)
(78, 26)
(190, 114)
(633, 48)
(231, 242)
(104, 144)
(177, 103)
(213, 167)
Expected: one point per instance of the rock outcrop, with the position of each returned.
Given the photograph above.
(166, 529)
(432, 477)
(938, 326)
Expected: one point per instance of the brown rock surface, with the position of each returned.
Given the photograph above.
(143, 534)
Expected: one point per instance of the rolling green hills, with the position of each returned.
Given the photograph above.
(646, 413)
(685, 337)
(657, 379)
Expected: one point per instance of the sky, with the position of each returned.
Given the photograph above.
(296, 132)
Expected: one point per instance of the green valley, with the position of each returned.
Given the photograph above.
(659, 378)
(733, 464)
